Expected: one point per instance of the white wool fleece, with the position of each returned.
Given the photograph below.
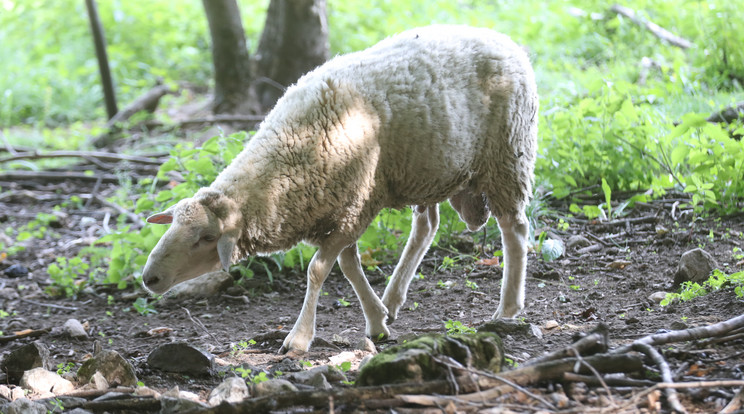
(414, 119)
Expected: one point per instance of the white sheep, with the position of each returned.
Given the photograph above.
(434, 113)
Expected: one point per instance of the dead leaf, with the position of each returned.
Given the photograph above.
(368, 260)
(493, 261)
(618, 264)
(3, 255)
(161, 331)
(696, 370)
(23, 332)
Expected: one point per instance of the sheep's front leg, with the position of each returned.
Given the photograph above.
(514, 240)
(375, 312)
(317, 271)
(423, 230)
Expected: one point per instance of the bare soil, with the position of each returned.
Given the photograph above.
(610, 284)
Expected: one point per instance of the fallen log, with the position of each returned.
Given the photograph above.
(652, 27)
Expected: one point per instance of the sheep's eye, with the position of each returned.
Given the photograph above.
(209, 238)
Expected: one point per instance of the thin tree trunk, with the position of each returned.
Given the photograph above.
(294, 41)
(232, 92)
(99, 41)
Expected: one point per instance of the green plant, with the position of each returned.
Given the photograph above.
(690, 290)
(343, 302)
(144, 307)
(63, 368)
(457, 327)
(68, 276)
(472, 285)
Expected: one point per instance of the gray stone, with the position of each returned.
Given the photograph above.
(99, 381)
(366, 344)
(272, 386)
(694, 266)
(5, 392)
(29, 356)
(40, 381)
(113, 367)
(23, 406)
(318, 377)
(182, 358)
(16, 271)
(416, 361)
(231, 390)
(514, 327)
(170, 405)
(204, 286)
(74, 329)
(657, 297)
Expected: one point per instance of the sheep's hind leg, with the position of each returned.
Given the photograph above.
(375, 312)
(317, 271)
(514, 239)
(423, 230)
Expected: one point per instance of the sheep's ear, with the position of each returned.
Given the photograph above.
(226, 247)
(166, 217)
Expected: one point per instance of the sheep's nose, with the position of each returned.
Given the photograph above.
(151, 280)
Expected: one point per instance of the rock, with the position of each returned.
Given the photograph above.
(318, 377)
(40, 381)
(181, 357)
(551, 324)
(694, 266)
(366, 344)
(114, 368)
(204, 286)
(99, 381)
(657, 297)
(272, 386)
(346, 356)
(16, 271)
(8, 294)
(5, 392)
(75, 329)
(512, 327)
(231, 390)
(29, 356)
(23, 406)
(414, 361)
(171, 405)
(577, 241)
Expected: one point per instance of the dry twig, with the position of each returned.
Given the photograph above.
(652, 27)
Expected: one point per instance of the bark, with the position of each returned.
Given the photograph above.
(294, 41)
(232, 77)
(99, 41)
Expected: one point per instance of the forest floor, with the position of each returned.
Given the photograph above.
(609, 282)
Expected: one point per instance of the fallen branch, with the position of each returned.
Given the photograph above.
(49, 305)
(24, 334)
(103, 156)
(735, 404)
(54, 176)
(320, 398)
(666, 374)
(702, 332)
(594, 342)
(652, 27)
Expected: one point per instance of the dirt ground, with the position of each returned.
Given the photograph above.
(610, 284)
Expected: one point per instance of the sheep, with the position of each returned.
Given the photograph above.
(434, 113)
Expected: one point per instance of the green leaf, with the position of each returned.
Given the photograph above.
(552, 249)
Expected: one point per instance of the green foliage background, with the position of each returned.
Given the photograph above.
(599, 127)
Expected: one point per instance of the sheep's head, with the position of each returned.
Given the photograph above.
(202, 237)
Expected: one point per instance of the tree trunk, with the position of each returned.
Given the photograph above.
(232, 91)
(294, 41)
